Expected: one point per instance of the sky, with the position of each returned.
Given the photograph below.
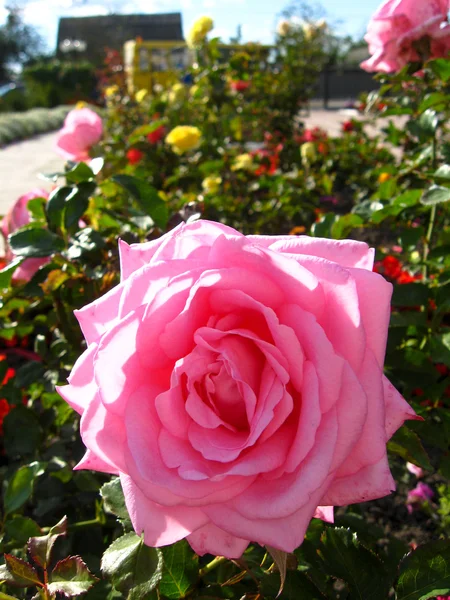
(257, 18)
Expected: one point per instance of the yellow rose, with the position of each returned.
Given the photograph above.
(183, 138)
(176, 93)
(243, 162)
(80, 104)
(111, 90)
(283, 27)
(211, 184)
(383, 177)
(308, 152)
(199, 31)
(141, 95)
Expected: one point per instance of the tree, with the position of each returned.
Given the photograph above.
(19, 42)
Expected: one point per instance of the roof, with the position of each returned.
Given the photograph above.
(112, 31)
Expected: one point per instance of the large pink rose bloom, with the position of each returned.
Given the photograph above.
(82, 129)
(397, 24)
(236, 385)
(17, 217)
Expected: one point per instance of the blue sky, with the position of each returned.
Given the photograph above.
(257, 17)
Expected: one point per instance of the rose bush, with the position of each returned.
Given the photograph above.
(236, 385)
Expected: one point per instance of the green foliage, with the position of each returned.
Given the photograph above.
(180, 570)
(425, 572)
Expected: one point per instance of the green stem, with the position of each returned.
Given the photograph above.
(4, 596)
(219, 560)
(426, 246)
(75, 526)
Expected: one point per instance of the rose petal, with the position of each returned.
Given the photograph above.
(209, 539)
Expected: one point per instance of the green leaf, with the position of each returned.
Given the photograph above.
(36, 243)
(441, 68)
(29, 373)
(436, 99)
(113, 498)
(36, 207)
(7, 272)
(77, 203)
(19, 529)
(96, 164)
(410, 294)
(135, 569)
(71, 577)
(20, 572)
(55, 206)
(440, 348)
(20, 486)
(297, 587)
(408, 199)
(84, 242)
(147, 196)
(18, 420)
(425, 572)
(443, 172)
(347, 559)
(429, 121)
(40, 547)
(180, 570)
(81, 172)
(406, 443)
(435, 195)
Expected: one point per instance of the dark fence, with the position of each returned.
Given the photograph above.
(345, 83)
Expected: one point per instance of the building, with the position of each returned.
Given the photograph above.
(94, 34)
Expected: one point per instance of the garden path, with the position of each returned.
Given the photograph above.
(21, 163)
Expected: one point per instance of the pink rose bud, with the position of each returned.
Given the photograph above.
(398, 24)
(415, 470)
(82, 129)
(17, 217)
(418, 496)
(235, 384)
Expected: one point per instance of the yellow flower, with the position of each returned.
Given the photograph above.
(163, 196)
(193, 91)
(183, 138)
(308, 152)
(211, 184)
(80, 104)
(383, 177)
(243, 162)
(199, 31)
(141, 95)
(283, 27)
(111, 90)
(176, 93)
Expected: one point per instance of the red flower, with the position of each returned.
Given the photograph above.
(313, 135)
(134, 156)
(239, 85)
(348, 126)
(157, 135)
(391, 267)
(270, 160)
(4, 406)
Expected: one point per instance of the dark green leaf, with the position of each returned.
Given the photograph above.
(180, 570)
(135, 569)
(425, 572)
(40, 547)
(435, 195)
(20, 486)
(429, 121)
(147, 196)
(29, 373)
(436, 99)
(440, 348)
(410, 294)
(443, 172)
(55, 206)
(96, 164)
(71, 577)
(36, 243)
(81, 172)
(297, 586)
(7, 272)
(347, 559)
(19, 529)
(407, 444)
(36, 207)
(20, 572)
(85, 241)
(17, 421)
(113, 498)
(77, 203)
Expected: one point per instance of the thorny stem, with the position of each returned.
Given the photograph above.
(74, 526)
(426, 245)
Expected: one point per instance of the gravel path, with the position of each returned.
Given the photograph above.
(21, 163)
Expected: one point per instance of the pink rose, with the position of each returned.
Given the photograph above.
(236, 385)
(415, 470)
(418, 496)
(397, 24)
(82, 129)
(17, 217)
